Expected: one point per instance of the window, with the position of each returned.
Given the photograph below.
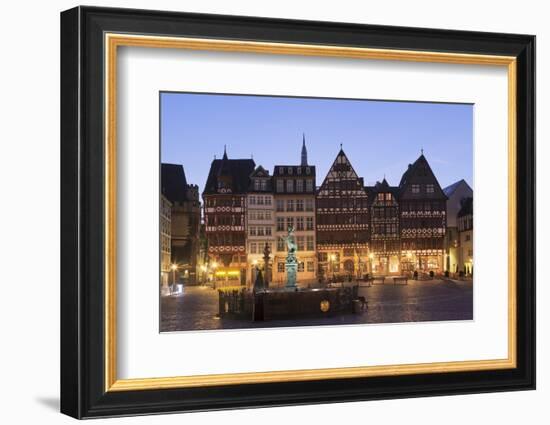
(310, 266)
(256, 184)
(299, 205)
(289, 222)
(280, 224)
(268, 200)
(300, 243)
(260, 200)
(308, 170)
(263, 184)
(260, 231)
(310, 245)
(281, 245)
(281, 267)
(309, 185)
(429, 188)
(300, 266)
(268, 215)
(280, 205)
(309, 204)
(466, 238)
(252, 200)
(290, 205)
(299, 185)
(309, 223)
(252, 231)
(280, 186)
(415, 188)
(289, 171)
(470, 252)
(289, 186)
(253, 247)
(300, 223)
(268, 231)
(281, 170)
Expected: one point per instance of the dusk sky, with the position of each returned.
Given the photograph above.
(380, 138)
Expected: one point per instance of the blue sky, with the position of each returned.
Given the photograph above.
(380, 138)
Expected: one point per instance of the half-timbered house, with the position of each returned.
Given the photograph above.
(422, 219)
(225, 218)
(342, 214)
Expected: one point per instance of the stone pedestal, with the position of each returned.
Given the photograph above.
(291, 270)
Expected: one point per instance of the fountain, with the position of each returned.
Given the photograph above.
(291, 260)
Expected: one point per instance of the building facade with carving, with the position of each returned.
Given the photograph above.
(342, 216)
(225, 214)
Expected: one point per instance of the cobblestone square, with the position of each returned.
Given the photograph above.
(418, 301)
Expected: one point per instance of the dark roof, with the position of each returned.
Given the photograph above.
(238, 169)
(260, 172)
(412, 174)
(449, 190)
(467, 207)
(173, 182)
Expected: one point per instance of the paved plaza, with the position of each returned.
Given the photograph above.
(418, 301)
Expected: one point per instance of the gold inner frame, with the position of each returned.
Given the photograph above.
(113, 41)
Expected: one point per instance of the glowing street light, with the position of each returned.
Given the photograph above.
(173, 267)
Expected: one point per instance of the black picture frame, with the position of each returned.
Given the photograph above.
(83, 392)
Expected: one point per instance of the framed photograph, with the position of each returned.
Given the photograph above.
(261, 212)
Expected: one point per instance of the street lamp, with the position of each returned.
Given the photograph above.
(173, 267)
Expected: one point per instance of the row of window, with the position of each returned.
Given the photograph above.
(259, 215)
(259, 200)
(427, 188)
(224, 202)
(258, 247)
(260, 184)
(224, 220)
(259, 230)
(299, 223)
(291, 205)
(342, 202)
(309, 266)
(305, 243)
(290, 170)
(294, 185)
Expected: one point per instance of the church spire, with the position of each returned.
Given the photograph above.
(224, 152)
(304, 150)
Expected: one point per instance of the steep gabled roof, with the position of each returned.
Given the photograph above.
(238, 169)
(449, 190)
(341, 170)
(173, 182)
(420, 172)
(384, 187)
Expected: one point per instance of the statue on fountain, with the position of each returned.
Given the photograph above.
(291, 260)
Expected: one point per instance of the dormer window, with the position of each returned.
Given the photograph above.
(290, 171)
(308, 170)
